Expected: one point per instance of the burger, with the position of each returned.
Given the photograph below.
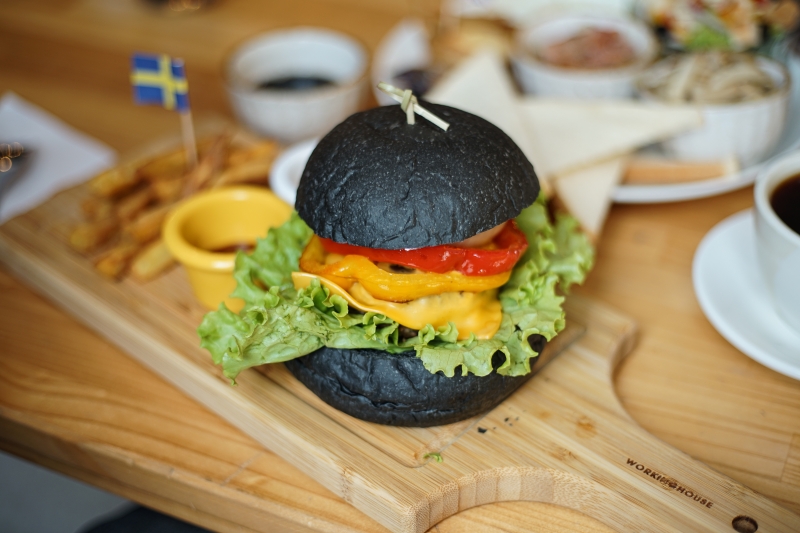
(418, 278)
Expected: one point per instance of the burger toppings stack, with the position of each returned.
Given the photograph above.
(419, 278)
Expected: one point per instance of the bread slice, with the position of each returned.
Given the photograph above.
(482, 86)
(568, 135)
(586, 193)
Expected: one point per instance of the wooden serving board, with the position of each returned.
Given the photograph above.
(563, 438)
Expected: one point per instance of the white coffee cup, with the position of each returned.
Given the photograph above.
(777, 245)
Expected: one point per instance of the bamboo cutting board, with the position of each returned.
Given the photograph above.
(563, 438)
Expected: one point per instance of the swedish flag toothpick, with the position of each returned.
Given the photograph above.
(161, 80)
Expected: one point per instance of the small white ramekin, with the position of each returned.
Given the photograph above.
(291, 116)
(543, 79)
(749, 131)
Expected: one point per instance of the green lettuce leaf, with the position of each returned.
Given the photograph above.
(279, 322)
(707, 38)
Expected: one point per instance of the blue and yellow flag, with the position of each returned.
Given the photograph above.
(159, 79)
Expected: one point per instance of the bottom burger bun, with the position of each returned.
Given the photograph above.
(397, 390)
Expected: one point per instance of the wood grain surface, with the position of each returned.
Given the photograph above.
(74, 402)
(563, 438)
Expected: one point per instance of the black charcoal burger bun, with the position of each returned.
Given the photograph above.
(379, 182)
(397, 390)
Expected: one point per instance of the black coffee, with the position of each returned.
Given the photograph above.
(294, 83)
(785, 202)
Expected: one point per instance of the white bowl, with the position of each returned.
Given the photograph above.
(294, 115)
(749, 131)
(543, 79)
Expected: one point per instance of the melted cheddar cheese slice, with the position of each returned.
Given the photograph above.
(479, 313)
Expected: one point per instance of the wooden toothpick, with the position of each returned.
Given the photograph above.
(409, 104)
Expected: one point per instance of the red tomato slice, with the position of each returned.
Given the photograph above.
(509, 245)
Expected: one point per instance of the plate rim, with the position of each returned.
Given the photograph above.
(280, 178)
(693, 190)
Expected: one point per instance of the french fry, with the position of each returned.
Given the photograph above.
(250, 171)
(113, 263)
(148, 225)
(261, 150)
(131, 205)
(171, 165)
(209, 166)
(97, 208)
(164, 168)
(114, 182)
(151, 262)
(90, 235)
(167, 191)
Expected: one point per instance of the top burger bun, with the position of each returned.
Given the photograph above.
(379, 182)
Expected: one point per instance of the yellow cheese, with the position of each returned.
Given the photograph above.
(479, 313)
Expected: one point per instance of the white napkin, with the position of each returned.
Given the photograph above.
(62, 156)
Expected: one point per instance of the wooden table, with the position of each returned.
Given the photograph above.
(73, 402)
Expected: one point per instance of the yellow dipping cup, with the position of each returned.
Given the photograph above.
(204, 232)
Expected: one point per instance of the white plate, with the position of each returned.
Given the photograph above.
(288, 168)
(733, 296)
(636, 194)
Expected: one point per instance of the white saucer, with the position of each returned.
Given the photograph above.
(732, 294)
(287, 169)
